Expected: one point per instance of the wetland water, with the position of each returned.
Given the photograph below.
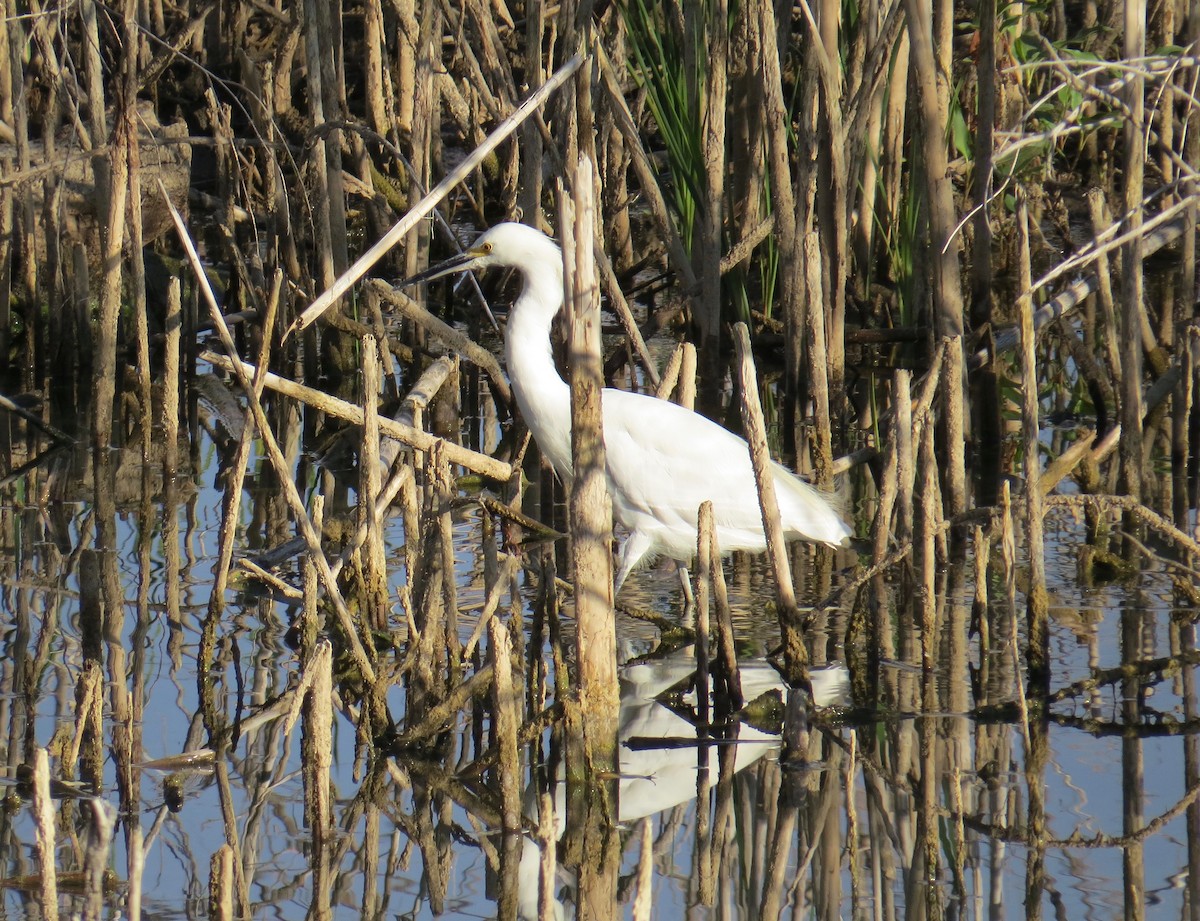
(1084, 814)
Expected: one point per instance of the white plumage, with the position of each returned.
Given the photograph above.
(663, 461)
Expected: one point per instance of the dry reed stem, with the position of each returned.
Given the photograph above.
(590, 505)
(713, 106)
(423, 392)
(317, 744)
(506, 721)
(752, 419)
(548, 866)
(1112, 350)
(430, 201)
(422, 441)
(43, 812)
(925, 553)
(278, 461)
(904, 436)
(1036, 598)
(369, 467)
(444, 485)
(726, 647)
(171, 370)
(1156, 233)
(819, 382)
(704, 564)
(220, 884)
(670, 374)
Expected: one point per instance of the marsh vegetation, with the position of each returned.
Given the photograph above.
(295, 619)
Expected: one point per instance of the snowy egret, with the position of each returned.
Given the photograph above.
(663, 461)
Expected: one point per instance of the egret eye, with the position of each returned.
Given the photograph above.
(486, 248)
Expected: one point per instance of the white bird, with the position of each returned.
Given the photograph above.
(663, 461)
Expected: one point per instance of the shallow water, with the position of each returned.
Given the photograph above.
(934, 768)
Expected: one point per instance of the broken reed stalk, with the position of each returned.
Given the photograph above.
(818, 362)
(670, 374)
(444, 481)
(1132, 309)
(726, 650)
(506, 723)
(317, 745)
(795, 653)
(422, 441)
(547, 839)
(422, 393)
(1037, 602)
(278, 461)
(220, 884)
(43, 812)
(925, 557)
(1112, 350)
(374, 563)
(905, 463)
(1008, 557)
(979, 607)
(643, 899)
(590, 505)
(704, 538)
(170, 390)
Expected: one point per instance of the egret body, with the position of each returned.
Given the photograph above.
(663, 461)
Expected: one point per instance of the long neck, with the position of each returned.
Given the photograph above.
(542, 394)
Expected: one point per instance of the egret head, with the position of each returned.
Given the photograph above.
(514, 245)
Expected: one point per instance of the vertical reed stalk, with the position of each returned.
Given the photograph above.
(529, 198)
(727, 667)
(43, 811)
(905, 455)
(590, 504)
(795, 652)
(933, 114)
(369, 471)
(317, 745)
(1131, 412)
(170, 388)
(1100, 221)
(818, 364)
(220, 884)
(763, 40)
(506, 723)
(704, 537)
(1038, 655)
(711, 109)
(12, 69)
